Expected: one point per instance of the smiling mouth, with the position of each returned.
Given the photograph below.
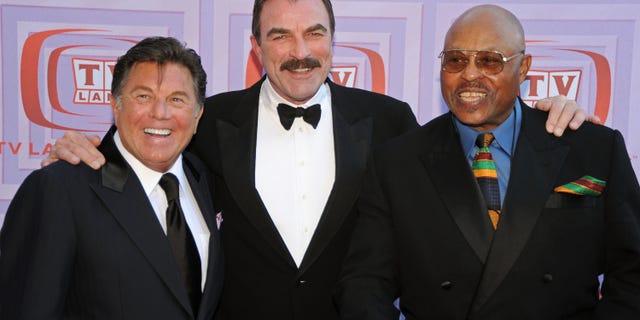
(471, 96)
(157, 132)
(303, 70)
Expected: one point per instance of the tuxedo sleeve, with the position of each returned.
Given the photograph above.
(36, 249)
(621, 286)
(396, 119)
(406, 118)
(368, 284)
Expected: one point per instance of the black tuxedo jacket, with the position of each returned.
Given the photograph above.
(261, 280)
(424, 234)
(84, 244)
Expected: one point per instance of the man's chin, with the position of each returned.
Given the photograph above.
(302, 96)
(469, 117)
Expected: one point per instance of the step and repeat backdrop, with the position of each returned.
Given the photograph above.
(57, 58)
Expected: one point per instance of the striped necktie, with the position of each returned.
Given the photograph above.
(484, 169)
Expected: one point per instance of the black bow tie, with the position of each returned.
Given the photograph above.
(287, 114)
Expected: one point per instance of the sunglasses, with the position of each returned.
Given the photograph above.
(489, 62)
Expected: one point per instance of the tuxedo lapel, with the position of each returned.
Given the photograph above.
(237, 141)
(123, 196)
(202, 194)
(201, 191)
(443, 160)
(351, 143)
(537, 161)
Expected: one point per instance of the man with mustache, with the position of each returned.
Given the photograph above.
(481, 214)
(288, 178)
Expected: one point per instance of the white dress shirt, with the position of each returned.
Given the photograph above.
(295, 169)
(192, 214)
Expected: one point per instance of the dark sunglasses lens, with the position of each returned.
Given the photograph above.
(489, 62)
(454, 61)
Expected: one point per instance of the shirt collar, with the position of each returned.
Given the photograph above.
(506, 134)
(148, 177)
(271, 98)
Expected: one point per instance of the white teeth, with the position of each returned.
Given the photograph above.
(472, 96)
(302, 70)
(160, 132)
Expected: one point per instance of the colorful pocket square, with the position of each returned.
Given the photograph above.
(585, 186)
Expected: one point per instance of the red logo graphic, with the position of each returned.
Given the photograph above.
(344, 76)
(563, 81)
(93, 80)
(543, 84)
(603, 80)
(30, 86)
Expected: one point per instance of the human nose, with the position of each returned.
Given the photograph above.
(160, 109)
(300, 48)
(471, 71)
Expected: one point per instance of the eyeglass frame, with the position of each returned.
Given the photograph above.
(475, 54)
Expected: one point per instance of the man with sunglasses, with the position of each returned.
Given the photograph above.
(519, 227)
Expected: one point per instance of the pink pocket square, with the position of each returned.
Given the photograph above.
(585, 186)
(219, 219)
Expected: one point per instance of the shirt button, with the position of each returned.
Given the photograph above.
(300, 129)
(302, 163)
(304, 197)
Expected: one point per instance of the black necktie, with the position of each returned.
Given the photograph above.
(287, 114)
(181, 241)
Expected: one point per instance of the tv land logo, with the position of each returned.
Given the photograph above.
(64, 83)
(80, 80)
(92, 79)
(542, 83)
(568, 82)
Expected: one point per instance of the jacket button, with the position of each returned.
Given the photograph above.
(300, 283)
(446, 285)
(547, 278)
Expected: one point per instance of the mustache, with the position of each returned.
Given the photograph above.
(294, 64)
(471, 85)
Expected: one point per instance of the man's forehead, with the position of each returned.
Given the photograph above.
(473, 36)
(307, 12)
(165, 73)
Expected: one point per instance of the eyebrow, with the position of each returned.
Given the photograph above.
(148, 89)
(141, 88)
(179, 93)
(315, 27)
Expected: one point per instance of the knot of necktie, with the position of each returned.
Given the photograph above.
(169, 184)
(287, 113)
(484, 140)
